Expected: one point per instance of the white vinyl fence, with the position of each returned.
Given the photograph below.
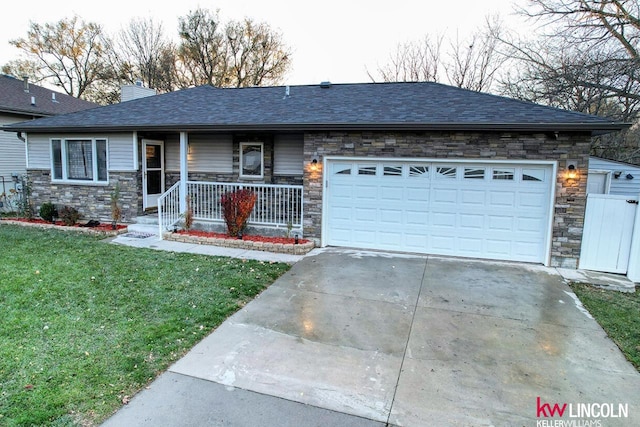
(609, 231)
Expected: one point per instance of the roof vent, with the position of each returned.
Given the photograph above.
(287, 92)
(325, 85)
(26, 83)
(33, 100)
(53, 97)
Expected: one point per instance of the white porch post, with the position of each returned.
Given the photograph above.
(633, 272)
(184, 173)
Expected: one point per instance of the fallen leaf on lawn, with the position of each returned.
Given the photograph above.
(125, 400)
(28, 387)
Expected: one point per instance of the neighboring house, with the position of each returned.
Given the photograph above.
(612, 177)
(20, 101)
(417, 167)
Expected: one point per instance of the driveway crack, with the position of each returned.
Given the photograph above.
(407, 350)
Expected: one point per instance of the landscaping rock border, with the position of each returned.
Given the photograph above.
(90, 230)
(282, 248)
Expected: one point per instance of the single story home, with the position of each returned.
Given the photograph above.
(21, 100)
(416, 167)
(612, 177)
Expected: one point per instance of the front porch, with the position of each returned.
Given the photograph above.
(278, 210)
(201, 167)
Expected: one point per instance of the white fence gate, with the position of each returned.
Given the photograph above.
(609, 233)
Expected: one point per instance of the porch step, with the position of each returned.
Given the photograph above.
(147, 219)
(144, 228)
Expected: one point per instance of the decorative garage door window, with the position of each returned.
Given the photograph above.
(506, 174)
(446, 172)
(419, 171)
(390, 170)
(251, 160)
(367, 170)
(339, 169)
(474, 173)
(533, 175)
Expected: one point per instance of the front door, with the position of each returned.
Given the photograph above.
(152, 172)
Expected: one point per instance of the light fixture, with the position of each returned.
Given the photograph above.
(572, 171)
(629, 176)
(617, 174)
(314, 164)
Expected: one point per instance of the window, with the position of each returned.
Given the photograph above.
(446, 172)
(503, 174)
(473, 173)
(251, 160)
(533, 174)
(419, 171)
(390, 170)
(79, 160)
(366, 170)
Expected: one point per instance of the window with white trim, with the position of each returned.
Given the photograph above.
(251, 160)
(79, 160)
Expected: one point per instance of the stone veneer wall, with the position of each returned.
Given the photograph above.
(570, 201)
(92, 201)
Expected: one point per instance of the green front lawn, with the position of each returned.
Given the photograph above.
(84, 324)
(619, 315)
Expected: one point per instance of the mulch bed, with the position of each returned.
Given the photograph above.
(102, 228)
(286, 245)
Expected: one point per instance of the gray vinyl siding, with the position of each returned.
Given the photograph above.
(12, 151)
(207, 153)
(622, 185)
(288, 155)
(120, 146)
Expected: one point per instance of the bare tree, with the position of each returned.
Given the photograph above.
(587, 60)
(145, 54)
(256, 54)
(70, 54)
(243, 53)
(472, 63)
(413, 61)
(202, 51)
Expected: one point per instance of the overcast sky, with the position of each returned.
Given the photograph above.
(335, 40)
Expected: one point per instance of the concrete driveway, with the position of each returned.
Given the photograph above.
(366, 338)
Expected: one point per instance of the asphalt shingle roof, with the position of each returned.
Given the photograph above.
(374, 106)
(14, 99)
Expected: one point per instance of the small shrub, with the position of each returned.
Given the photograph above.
(116, 210)
(188, 215)
(25, 204)
(69, 215)
(48, 211)
(236, 207)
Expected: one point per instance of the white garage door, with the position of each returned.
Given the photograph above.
(494, 211)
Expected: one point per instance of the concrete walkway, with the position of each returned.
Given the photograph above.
(372, 339)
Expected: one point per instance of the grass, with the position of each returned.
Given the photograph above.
(619, 315)
(84, 324)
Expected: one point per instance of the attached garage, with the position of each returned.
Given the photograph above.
(493, 210)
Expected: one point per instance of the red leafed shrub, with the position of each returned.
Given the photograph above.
(236, 208)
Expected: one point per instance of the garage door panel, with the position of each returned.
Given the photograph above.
(497, 211)
(502, 199)
(473, 198)
(443, 220)
(365, 215)
(444, 197)
(391, 216)
(529, 225)
(472, 221)
(499, 223)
